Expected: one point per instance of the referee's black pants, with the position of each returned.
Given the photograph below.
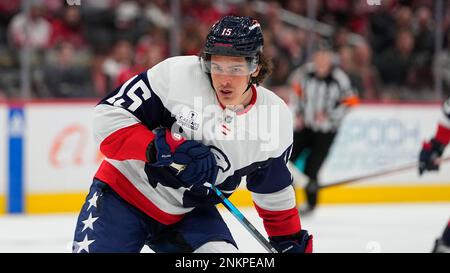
(319, 145)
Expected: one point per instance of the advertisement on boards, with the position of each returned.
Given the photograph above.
(377, 138)
(60, 151)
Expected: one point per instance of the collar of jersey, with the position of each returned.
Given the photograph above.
(248, 107)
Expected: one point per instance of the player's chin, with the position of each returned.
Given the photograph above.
(226, 99)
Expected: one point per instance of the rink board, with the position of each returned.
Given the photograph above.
(378, 138)
(3, 154)
(60, 157)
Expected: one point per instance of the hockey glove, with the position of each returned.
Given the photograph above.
(431, 151)
(195, 162)
(300, 242)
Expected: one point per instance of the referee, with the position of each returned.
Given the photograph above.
(324, 95)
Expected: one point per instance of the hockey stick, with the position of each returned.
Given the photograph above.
(241, 218)
(237, 214)
(377, 174)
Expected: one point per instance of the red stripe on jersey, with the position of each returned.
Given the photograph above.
(127, 143)
(108, 174)
(280, 223)
(443, 134)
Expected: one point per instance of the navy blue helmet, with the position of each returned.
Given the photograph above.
(234, 36)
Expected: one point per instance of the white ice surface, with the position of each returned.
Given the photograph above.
(349, 228)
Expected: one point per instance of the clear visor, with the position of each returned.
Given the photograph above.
(229, 68)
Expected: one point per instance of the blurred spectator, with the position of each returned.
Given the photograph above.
(100, 27)
(245, 8)
(337, 12)
(424, 48)
(359, 21)
(129, 21)
(120, 58)
(204, 11)
(340, 38)
(281, 73)
(155, 36)
(396, 64)
(158, 13)
(296, 6)
(53, 9)
(98, 19)
(64, 79)
(424, 36)
(368, 74)
(146, 58)
(382, 28)
(403, 18)
(192, 40)
(69, 28)
(442, 65)
(289, 45)
(100, 81)
(38, 28)
(7, 10)
(348, 65)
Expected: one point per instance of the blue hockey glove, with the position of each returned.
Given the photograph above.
(430, 152)
(192, 161)
(300, 242)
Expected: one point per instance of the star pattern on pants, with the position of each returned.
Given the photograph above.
(89, 222)
(83, 245)
(93, 201)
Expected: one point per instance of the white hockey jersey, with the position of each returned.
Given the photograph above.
(254, 144)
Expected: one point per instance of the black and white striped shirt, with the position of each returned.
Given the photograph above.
(322, 102)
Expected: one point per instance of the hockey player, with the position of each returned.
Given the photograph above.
(192, 112)
(324, 97)
(429, 160)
